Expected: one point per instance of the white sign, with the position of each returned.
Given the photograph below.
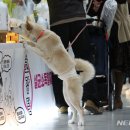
(25, 86)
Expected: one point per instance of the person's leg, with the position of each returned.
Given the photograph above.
(83, 49)
(118, 79)
(62, 31)
(90, 97)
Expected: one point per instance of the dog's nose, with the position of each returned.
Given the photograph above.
(11, 28)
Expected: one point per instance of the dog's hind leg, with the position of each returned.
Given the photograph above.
(74, 112)
(74, 91)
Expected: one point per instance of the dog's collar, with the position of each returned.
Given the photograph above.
(40, 35)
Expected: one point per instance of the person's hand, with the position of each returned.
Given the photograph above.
(96, 5)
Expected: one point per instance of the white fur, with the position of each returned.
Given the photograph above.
(51, 49)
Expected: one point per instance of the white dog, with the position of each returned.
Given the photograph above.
(49, 46)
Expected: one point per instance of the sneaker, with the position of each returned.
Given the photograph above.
(63, 110)
(90, 106)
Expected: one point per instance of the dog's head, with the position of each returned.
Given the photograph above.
(28, 29)
(22, 28)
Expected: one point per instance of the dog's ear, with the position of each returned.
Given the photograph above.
(28, 24)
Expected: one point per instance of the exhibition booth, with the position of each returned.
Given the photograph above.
(26, 95)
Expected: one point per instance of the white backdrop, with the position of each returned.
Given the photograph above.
(25, 86)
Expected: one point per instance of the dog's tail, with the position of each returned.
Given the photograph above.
(87, 70)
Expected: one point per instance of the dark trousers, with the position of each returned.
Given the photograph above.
(82, 49)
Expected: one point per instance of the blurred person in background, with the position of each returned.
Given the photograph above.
(120, 49)
(23, 9)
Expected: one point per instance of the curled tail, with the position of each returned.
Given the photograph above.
(86, 68)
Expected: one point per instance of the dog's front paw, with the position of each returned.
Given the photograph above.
(71, 121)
(81, 123)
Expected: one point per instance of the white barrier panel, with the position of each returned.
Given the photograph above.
(25, 87)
